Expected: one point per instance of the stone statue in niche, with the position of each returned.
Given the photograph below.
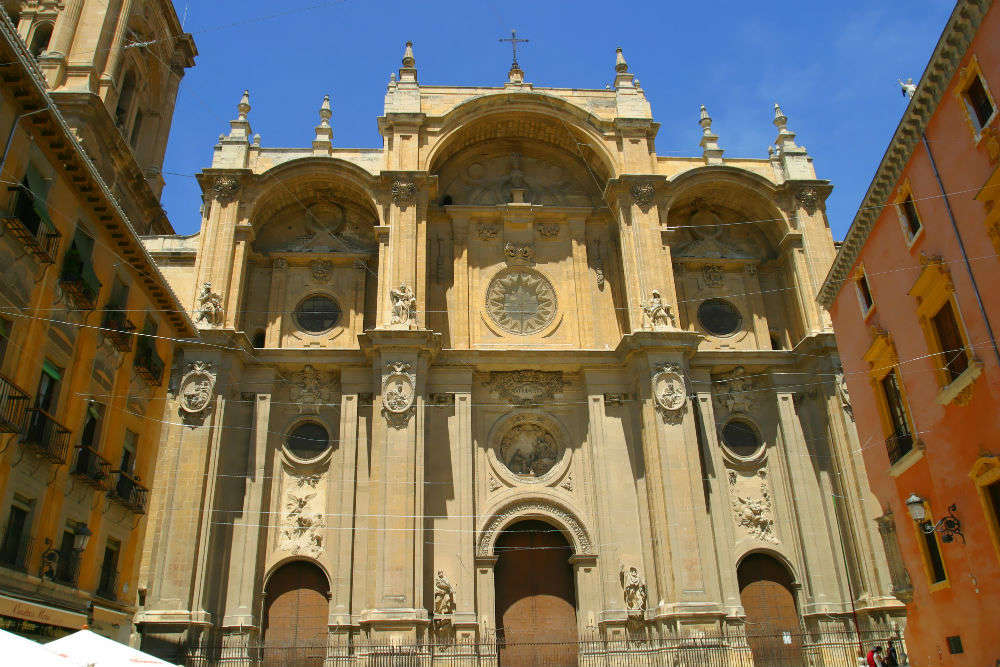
(404, 306)
(657, 315)
(634, 590)
(209, 306)
(529, 450)
(444, 602)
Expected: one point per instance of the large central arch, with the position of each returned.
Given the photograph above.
(556, 515)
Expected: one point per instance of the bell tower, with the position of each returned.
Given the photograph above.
(114, 68)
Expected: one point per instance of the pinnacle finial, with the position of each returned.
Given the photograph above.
(709, 140)
(325, 112)
(620, 64)
(704, 119)
(780, 119)
(244, 106)
(408, 59)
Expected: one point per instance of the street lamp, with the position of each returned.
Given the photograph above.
(81, 536)
(949, 526)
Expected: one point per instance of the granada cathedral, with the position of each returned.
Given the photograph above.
(511, 379)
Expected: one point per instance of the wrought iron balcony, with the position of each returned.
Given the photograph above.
(147, 363)
(129, 492)
(61, 566)
(79, 281)
(46, 436)
(16, 556)
(898, 445)
(13, 406)
(118, 329)
(92, 468)
(29, 223)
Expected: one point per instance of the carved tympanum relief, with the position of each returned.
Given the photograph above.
(753, 509)
(492, 181)
(711, 238)
(303, 519)
(521, 301)
(325, 226)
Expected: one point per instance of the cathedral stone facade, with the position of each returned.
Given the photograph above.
(512, 375)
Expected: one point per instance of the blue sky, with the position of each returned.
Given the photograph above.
(832, 67)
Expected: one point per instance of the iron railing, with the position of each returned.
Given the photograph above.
(118, 329)
(148, 363)
(13, 406)
(92, 468)
(79, 281)
(127, 490)
(800, 649)
(898, 445)
(29, 223)
(47, 437)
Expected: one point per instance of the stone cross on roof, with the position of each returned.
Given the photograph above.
(514, 41)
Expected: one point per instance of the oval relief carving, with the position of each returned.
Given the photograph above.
(521, 301)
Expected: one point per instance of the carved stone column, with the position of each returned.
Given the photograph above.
(354, 381)
(400, 362)
(243, 557)
(276, 301)
(581, 284)
(218, 236)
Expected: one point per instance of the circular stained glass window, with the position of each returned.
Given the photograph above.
(317, 314)
(719, 317)
(741, 438)
(308, 440)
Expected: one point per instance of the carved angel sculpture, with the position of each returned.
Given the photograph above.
(404, 305)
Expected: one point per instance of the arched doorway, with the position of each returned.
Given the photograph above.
(295, 616)
(535, 597)
(774, 630)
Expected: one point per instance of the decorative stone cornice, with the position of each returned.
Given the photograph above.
(948, 53)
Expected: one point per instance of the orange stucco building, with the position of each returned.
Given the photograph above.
(914, 298)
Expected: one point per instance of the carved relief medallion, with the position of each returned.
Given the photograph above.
(197, 387)
(669, 390)
(753, 510)
(529, 450)
(521, 301)
(398, 392)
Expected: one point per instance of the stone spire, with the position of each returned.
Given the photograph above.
(623, 78)
(709, 140)
(794, 159)
(408, 72)
(239, 129)
(323, 143)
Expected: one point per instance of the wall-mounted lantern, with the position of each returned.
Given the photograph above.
(948, 526)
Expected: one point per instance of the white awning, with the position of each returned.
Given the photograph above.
(20, 651)
(93, 649)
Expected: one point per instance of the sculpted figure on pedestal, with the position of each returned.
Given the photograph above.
(404, 305)
(657, 315)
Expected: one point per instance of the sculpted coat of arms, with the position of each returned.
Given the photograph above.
(398, 392)
(197, 387)
(669, 390)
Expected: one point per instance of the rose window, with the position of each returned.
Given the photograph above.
(521, 301)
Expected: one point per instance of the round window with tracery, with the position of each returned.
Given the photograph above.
(521, 301)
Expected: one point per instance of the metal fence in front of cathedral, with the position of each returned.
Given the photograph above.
(827, 649)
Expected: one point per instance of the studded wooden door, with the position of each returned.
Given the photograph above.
(535, 597)
(774, 630)
(295, 619)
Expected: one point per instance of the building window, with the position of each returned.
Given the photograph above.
(14, 547)
(66, 566)
(5, 329)
(985, 475)
(954, 644)
(955, 358)
(941, 322)
(317, 314)
(974, 94)
(908, 209)
(107, 585)
(937, 574)
(864, 294)
(741, 438)
(40, 40)
(719, 317)
(48, 387)
(308, 441)
(900, 440)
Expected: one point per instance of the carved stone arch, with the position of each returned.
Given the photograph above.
(539, 508)
(556, 122)
(724, 189)
(776, 552)
(281, 562)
